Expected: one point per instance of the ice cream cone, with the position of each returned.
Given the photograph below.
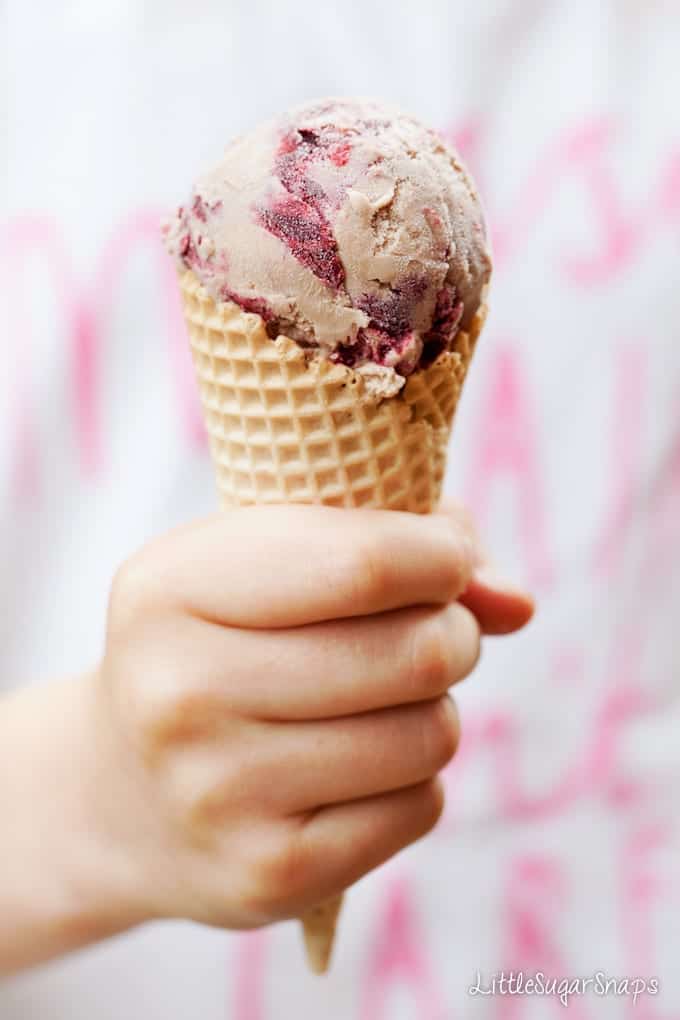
(319, 929)
(286, 426)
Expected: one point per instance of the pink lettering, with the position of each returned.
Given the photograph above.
(594, 768)
(574, 150)
(642, 889)
(398, 954)
(507, 446)
(621, 234)
(534, 901)
(626, 442)
(143, 226)
(249, 965)
(23, 237)
(83, 316)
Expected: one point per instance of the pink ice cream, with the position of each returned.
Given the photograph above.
(349, 227)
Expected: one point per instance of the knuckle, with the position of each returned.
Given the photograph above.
(368, 573)
(455, 566)
(430, 658)
(201, 788)
(463, 517)
(456, 558)
(468, 637)
(441, 733)
(433, 801)
(178, 712)
(133, 592)
(162, 708)
(188, 699)
(280, 872)
(424, 808)
(140, 714)
(131, 696)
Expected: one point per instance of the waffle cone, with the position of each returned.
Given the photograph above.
(286, 427)
(319, 925)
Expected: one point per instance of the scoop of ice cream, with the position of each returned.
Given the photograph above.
(349, 227)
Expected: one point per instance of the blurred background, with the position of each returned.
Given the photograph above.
(560, 847)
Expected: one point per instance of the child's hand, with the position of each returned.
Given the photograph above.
(271, 712)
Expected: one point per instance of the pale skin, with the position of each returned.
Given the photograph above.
(266, 725)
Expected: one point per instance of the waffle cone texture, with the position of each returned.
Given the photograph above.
(286, 426)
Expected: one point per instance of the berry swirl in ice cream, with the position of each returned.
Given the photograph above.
(347, 226)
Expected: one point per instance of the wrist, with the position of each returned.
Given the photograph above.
(67, 881)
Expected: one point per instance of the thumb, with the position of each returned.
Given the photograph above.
(500, 606)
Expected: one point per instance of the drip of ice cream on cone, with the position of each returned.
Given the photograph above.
(333, 269)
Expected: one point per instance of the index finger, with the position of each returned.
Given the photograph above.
(283, 566)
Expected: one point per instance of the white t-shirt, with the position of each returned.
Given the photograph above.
(559, 851)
